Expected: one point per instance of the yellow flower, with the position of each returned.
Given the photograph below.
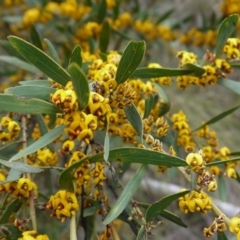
(234, 225)
(63, 204)
(186, 57)
(32, 235)
(194, 159)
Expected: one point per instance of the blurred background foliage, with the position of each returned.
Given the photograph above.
(167, 27)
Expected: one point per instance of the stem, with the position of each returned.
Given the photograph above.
(113, 231)
(214, 209)
(28, 175)
(73, 232)
(218, 213)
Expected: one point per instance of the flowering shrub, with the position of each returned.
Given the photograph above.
(87, 112)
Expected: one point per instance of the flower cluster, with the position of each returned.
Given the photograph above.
(43, 157)
(63, 205)
(184, 136)
(21, 189)
(217, 225)
(9, 129)
(32, 235)
(195, 202)
(214, 67)
(234, 226)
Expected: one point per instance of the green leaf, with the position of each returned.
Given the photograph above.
(140, 233)
(223, 161)
(235, 154)
(166, 214)
(221, 236)
(126, 155)
(35, 39)
(22, 167)
(230, 84)
(40, 143)
(121, 34)
(80, 84)
(225, 30)
(40, 83)
(137, 155)
(222, 190)
(9, 210)
(135, 119)
(42, 93)
(76, 56)
(90, 210)
(165, 104)
(165, 15)
(104, 37)
(52, 50)
(88, 226)
(156, 208)
(102, 10)
(24, 105)
(10, 49)
(19, 63)
(198, 71)
(131, 58)
(13, 175)
(126, 195)
(160, 72)
(106, 146)
(172, 218)
(44, 129)
(12, 232)
(103, 56)
(91, 44)
(218, 117)
(149, 105)
(41, 60)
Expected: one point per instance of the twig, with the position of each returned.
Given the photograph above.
(73, 232)
(28, 175)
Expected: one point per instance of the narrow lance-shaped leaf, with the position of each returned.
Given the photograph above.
(102, 10)
(221, 236)
(218, 117)
(16, 62)
(40, 143)
(166, 214)
(106, 146)
(156, 208)
(9, 210)
(26, 105)
(197, 70)
(40, 83)
(80, 84)
(164, 101)
(52, 50)
(134, 118)
(140, 233)
(126, 155)
(41, 60)
(230, 84)
(221, 162)
(160, 72)
(104, 37)
(38, 92)
(165, 15)
(76, 56)
(126, 195)
(43, 129)
(131, 58)
(149, 104)
(22, 167)
(222, 189)
(225, 30)
(35, 39)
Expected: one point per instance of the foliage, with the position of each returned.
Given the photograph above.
(84, 102)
